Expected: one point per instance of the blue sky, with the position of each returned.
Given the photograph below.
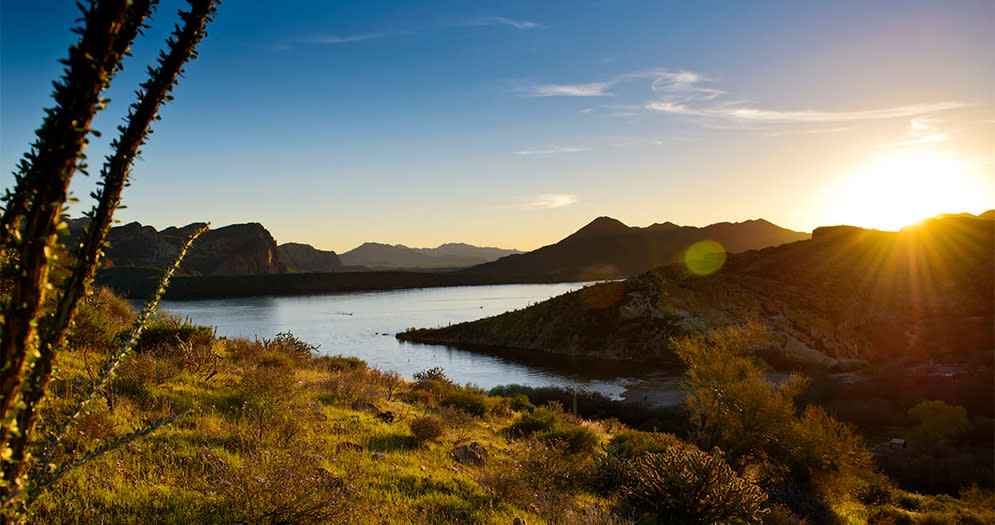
(513, 124)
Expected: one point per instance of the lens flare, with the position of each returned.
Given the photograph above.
(704, 257)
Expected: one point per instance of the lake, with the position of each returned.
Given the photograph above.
(363, 325)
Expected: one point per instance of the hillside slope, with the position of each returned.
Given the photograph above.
(307, 258)
(846, 296)
(607, 248)
(451, 255)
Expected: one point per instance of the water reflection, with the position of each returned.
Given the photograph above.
(363, 325)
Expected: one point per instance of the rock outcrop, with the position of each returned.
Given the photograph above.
(238, 249)
(306, 258)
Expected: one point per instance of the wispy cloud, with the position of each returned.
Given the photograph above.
(688, 93)
(497, 20)
(331, 38)
(342, 39)
(753, 114)
(594, 89)
(550, 200)
(545, 201)
(549, 151)
(921, 132)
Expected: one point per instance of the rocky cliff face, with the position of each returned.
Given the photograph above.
(238, 249)
(843, 299)
(307, 258)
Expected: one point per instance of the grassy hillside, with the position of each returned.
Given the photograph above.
(276, 433)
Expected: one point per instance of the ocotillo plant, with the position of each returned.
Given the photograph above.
(35, 312)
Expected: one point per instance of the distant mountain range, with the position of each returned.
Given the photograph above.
(452, 255)
(607, 248)
(847, 297)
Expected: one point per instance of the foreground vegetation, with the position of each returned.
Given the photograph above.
(277, 433)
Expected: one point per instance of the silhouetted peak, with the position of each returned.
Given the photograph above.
(663, 226)
(600, 227)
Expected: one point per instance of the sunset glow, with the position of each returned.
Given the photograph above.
(902, 189)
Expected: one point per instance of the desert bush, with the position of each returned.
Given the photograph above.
(290, 345)
(430, 386)
(468, 398)
(519, 402)
(426, 428)
(99, 321)
(542, 419)
(938, 421)
(349, 385)
(458, 423)
(168, 330)
(539, 478)
(686, 485)
(434, 374)
(389, 382)
(287, 487)
(631, 443)
(339, 363)
(574, 438)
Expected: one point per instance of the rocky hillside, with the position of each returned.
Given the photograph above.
(452, 255)
(606, 248)
(846, 297)
(238, 249)
(307, 258)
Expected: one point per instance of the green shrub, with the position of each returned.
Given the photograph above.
(338, 363)
(430, 386)
(289, 344)
(99, 321)
(519, 402)
(468, 398)
(576, 438)
(434, 374)
(426, 428)
(542, 419)
(631, 443)
(686, 485)
(168, 331)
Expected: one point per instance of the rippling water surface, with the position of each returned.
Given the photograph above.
(364, 324)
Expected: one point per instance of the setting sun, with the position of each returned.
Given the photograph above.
(892, 192)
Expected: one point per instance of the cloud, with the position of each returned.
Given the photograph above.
(921, 132)
(761, 115)
(498, 20)
(342, 39)
(660, 81)
(550, 200)
(688, 93)
(594, 89)
(331, 39)
(555, 149)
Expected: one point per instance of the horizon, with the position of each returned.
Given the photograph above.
(512, 125)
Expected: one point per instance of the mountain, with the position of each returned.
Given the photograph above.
(238, 249)
(307, 258)
(453, 255)
(845, 298)
(607, 248)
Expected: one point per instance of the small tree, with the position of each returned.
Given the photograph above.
(938, 421)
(37, 306)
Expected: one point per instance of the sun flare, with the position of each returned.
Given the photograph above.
(900, 190)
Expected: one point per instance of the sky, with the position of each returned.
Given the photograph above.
(513, 124)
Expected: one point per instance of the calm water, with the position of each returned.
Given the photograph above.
(364, 324)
